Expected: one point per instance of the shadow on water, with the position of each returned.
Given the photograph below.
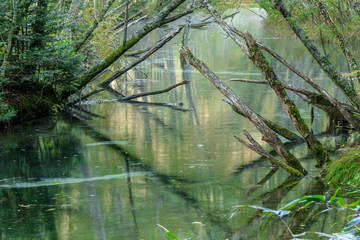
(29, 157)
(45, 170)
(174, 184)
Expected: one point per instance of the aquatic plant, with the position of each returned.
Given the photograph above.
(327, 203)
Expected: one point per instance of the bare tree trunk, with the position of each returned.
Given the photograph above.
(284, 132)
(268, 135)
(71, 16)
(314, 145)
(256, 147)
(313, 98)
(126, 21)
(187, 26)
(119, 25)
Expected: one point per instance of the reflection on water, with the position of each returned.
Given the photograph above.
(124, 168)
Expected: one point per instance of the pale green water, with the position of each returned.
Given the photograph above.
(119, 175)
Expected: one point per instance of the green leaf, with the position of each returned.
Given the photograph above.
(340, 201)
(307, 204)
(334, 196)
(170, 235)
(355, 204)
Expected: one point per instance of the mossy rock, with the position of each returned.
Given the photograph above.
(345, 170)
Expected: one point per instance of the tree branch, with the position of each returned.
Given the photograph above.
(154, 92)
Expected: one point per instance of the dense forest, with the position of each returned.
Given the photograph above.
(55, 54)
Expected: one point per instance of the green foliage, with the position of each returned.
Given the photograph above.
(332, 203)
(345, 170)
(6, 112)
(307, 15)
(40, 52)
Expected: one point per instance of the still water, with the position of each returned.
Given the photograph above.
(115, 170)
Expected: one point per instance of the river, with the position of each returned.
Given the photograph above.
(117, 170)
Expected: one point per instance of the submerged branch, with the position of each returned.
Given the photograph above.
(268, 135)
(82, 98)
(154, 92)
(284, 132)
(256, 147)
(252, 51)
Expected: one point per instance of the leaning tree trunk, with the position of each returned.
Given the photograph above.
(260, 61)
(253, 52)
(326, 96)
(154, 23)
(320, 58)
(293, 165)
(340, 37)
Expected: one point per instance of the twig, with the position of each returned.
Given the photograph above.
(119, 25)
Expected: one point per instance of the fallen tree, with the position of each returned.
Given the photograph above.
(292, 166)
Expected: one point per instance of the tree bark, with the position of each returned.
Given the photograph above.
(268, 136)
(316, 86)
(154, 23)
(260, 61)
(321, 59)
(253, 52)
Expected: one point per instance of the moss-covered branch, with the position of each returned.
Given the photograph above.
(268, 135)
(320, 58)
(154, 23)
(284, 132)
